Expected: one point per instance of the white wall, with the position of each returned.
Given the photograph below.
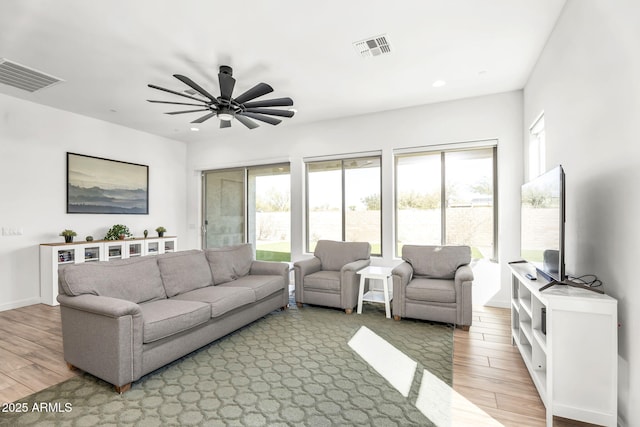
(489, 117)
(34, 140)
(587, 82)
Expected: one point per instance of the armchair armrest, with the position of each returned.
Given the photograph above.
(403, 272)
(463, 280)
(349, 282)
(301, 269)
(464, 273)
(355, 265)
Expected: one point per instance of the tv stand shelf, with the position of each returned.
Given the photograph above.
(571, 352)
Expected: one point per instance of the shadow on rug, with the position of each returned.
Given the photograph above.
(291, 367)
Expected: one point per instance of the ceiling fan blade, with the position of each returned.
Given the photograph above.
(247, 122)
(225, 124)
(193, 85)
(176, 93)
(227, 84)
(177, 103)
(188, 111)
(205, 117)
(281, 113)
(260, 117)
(256, 91)
(276, 102)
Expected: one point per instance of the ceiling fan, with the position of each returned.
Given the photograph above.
(227, 108)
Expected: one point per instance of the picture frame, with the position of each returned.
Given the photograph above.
(96, 185)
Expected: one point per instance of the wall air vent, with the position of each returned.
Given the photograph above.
(25, 78)
(374, 46)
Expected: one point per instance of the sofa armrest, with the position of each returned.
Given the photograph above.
(355, 265)
(403, 272)
(103, 306)
(463, 280)
(271, 268)
(103, 336)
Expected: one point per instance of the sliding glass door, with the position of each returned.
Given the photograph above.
(249, 204)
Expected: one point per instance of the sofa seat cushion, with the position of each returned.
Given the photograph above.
(432, 290)
(134, 279)
(262, 286)
(184, 271)
(230, 263)
(323, 280)
(222, 299)
(164, 318)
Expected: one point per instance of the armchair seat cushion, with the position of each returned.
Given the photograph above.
(163, 318)
(262, 286)
(222, 299)
(326, 280)
(432, 290)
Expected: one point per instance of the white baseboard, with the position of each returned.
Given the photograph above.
(18, 304)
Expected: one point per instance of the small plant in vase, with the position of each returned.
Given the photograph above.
(161, 230)
(145, 233)
(68, 235)
(118, 232)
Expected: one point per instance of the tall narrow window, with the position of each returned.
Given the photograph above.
(537, 148)
(447, 198)
(343, 201)
(249, 205)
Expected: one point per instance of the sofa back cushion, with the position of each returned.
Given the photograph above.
(334, 255)
(135, 279)
(230, 262)
(438, 262)
(184, 271)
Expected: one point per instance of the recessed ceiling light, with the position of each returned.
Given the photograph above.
(195, 129)
(439, 83)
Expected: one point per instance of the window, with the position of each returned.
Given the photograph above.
(537, 148)
(447, 198)
(249, 205)
(343, 201)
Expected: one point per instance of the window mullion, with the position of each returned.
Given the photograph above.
(443, 202)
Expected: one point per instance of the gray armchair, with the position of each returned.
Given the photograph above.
(434, 283)
(329, 278)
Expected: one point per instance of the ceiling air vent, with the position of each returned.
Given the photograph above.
(25, 78)
(374, 46)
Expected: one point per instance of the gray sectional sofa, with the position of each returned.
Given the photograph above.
(123, 319)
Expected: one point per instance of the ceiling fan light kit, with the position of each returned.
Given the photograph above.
(225, 107)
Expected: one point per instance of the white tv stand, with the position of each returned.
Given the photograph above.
(574, 365)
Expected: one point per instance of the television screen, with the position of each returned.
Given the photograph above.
(542, 223)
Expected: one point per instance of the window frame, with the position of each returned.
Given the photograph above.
(442, 150)
(342, 159)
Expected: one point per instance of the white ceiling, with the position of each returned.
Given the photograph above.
(107, 52)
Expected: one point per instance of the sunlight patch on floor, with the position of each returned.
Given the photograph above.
(446, 407)
(436, 400)
(394, 366)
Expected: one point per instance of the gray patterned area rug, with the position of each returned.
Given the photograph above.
(290, 368)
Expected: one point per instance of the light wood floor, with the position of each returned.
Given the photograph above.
(487, 369)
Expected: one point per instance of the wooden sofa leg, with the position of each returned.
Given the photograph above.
(464, 327)
(285, 307)
(348, 310)
(71, 367)
(299, 304)
(396, 317)
(123, 388)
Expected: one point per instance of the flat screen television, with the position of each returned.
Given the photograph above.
(542, 223)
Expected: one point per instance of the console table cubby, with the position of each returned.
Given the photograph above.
(57, 255)
(568, 339)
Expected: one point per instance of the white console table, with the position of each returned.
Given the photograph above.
(56, 255)
(571, 352)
